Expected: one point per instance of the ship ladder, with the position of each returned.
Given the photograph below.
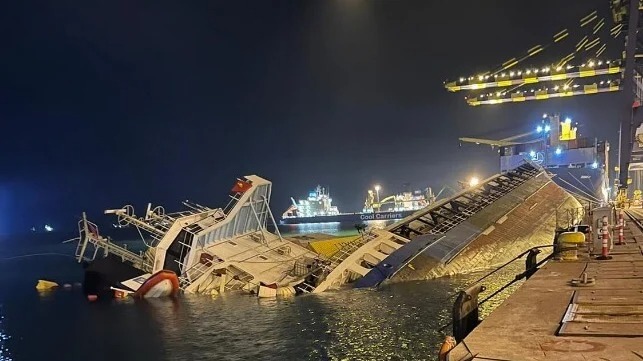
(196, 272)
(305, 287)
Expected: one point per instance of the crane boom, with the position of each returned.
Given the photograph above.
(501, 142)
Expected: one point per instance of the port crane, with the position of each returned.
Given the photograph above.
(585, 70)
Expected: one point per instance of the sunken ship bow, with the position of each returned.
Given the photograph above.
(208, 250)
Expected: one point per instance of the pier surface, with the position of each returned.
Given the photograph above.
(549, 319)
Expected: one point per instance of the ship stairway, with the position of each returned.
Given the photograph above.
(237, 282)
(196, 273)
(327, 269)
(89, 235)
(305, 287)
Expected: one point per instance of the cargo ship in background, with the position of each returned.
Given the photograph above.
(318, 208)
(578, 164)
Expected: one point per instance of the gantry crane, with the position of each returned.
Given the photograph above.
(581, 72)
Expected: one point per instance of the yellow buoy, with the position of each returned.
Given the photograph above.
(44, 285)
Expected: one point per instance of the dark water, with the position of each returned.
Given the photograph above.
(397, 322)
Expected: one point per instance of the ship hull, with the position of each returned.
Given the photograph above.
(349, 217)
(584, 182)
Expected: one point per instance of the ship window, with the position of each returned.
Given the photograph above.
(232, 243)
(263, 258)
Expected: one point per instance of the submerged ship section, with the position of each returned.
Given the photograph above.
(475, 229)
(211, 250)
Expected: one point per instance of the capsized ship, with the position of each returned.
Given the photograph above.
(318, 208)
(209, 250)
(486, 224)
(478, 228)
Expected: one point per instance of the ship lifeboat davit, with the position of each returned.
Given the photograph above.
(161, 284)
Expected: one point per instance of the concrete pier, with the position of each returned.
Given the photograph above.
(548, 318)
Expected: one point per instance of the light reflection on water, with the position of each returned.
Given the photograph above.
(397, 322)
(333, 228)
(4, 351)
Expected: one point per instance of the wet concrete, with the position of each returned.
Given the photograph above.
(549, 319)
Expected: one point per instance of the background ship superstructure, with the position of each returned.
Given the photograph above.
(318, 208)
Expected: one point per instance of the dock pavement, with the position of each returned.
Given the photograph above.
(548, 318)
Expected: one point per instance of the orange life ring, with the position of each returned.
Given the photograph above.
(447, 345)
(155, 279)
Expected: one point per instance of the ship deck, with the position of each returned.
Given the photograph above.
(604, 322)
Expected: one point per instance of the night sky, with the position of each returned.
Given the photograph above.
(115, 102)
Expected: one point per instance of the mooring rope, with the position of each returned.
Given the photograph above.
(35, 255)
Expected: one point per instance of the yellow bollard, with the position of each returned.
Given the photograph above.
(569, 243)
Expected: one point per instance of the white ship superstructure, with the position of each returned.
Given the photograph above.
(214, 250)
(318, 204)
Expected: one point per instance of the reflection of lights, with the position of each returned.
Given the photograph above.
(547, 128)
(474, 181)
(606, 193)
(558, 151)
(539, 129)
(594, 165)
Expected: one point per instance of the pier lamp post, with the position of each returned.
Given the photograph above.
(377, 194)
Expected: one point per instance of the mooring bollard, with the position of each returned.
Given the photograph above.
(569, 243)
(465, 312)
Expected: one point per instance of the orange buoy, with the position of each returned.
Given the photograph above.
(447, 345)
(92, 298)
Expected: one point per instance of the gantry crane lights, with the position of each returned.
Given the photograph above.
(591, 34)
(549, 92)
(535, 75)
